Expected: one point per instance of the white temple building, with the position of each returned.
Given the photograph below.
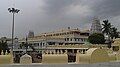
(60, 37)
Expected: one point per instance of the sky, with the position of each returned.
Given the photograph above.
(50, 15)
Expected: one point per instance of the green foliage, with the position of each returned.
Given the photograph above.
(109, 30)
(114, 33)
(106, 27)
(96, 38)
(3, 46)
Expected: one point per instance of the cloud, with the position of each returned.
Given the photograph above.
(82, 11)
(49, 15)
(107, 8)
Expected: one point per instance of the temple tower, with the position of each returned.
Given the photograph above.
(30, 34)
(96, 26)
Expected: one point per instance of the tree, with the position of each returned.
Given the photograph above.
(3, 46)
(114, 33)
(110, 31)
(107, 30)
(96, 38)
(106, 27)
(0, 47)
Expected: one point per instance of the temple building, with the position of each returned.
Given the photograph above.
(61, 37)
(51, 41)
(96, 26)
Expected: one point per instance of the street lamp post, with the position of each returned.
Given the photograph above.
(26, 45)
(13, 11)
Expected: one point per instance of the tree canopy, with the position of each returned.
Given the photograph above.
(3, 46)
(114, 33)
(96, 38)
(106, 27)
(109, 30)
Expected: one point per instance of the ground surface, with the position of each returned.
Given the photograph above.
(110, 64)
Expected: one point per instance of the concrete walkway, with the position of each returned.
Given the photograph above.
(110, 64)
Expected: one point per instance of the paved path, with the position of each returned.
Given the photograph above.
(110, 64)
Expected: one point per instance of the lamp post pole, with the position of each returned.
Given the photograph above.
(13, 11)
(26, 44)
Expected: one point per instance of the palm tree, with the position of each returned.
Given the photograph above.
(107, 30)
(114, 33)
(106, 27)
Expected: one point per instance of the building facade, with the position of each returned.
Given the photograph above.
(61, 37)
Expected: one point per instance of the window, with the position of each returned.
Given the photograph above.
(60, 43)
(81, 39)
(41, 44)
(75, 39)
(67, 39)
(36, 44)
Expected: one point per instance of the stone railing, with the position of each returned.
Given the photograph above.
(6, 58)
(78, 46)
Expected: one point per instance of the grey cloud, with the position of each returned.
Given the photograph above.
(56, 14)
(101, 8)
(56, 6)
(107, 8)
